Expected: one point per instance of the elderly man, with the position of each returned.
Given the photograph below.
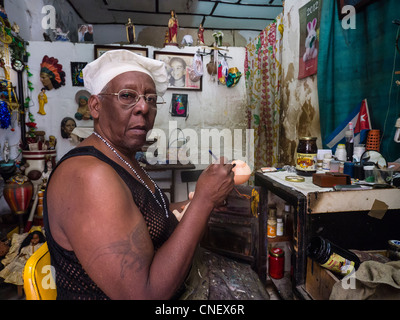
(109, 228)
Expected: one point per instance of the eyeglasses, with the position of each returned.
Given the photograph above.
(129, 98)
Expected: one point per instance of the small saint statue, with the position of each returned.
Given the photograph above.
(173, 28)
(6, 151)
(130, 31)
(200, 35)
(42, 98)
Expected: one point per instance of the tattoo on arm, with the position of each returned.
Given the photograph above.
(131, 250)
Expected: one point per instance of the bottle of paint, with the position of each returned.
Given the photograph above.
(332, 257)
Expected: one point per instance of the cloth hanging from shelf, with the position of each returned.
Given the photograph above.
(263, 73)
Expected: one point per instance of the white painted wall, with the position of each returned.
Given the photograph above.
(215, 107)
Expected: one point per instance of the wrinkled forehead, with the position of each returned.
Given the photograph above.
(134, 80)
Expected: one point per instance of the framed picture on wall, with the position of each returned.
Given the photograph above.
(99, 50)
(357, 4)
(76, 73)
(181, 75)
(179, 105)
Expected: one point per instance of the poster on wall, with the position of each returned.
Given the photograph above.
(76, 73)
(310, 16)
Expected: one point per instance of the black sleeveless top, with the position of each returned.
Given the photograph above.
(72, 282)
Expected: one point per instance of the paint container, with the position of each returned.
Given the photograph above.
(349, 169)
(332, 257)
(359, 172)
(334, 166)
(276, 263)
(369, 174)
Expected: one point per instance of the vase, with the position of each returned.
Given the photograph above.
(18, 193)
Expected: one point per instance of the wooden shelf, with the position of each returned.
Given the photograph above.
(279, 239)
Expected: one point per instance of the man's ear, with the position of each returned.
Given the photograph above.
(94, 106)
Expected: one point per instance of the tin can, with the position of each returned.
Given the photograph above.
(276, 263)
(306, 160)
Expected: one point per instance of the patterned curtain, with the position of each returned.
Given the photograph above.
(263, 71)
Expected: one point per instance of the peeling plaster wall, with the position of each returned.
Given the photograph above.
(300, 107)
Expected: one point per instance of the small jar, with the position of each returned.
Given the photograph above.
(306, 160)
(326, 164)
(276, 263)
(271, 223)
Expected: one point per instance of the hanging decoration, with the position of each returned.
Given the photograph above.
(233, 77)
(5, 117)
(31, 126)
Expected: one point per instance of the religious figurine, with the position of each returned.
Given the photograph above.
(187, 40)
(13, 271)
(82, 98)
(130, 31)
(166, 38)
(200, 35)
(60, 35)
(51, 74)
(52, 143)
(173, 28)
(15, 28)
(67, 126)
(46, 173)
(6, 151)
(42, 101)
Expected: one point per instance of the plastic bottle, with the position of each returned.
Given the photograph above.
(340, 153)
(279, 227)
(349, 142)
(271, 223)
(332, 257)
(326, 164)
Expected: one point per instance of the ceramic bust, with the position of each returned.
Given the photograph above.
(82, 98)
(67, 126)
(51, 74)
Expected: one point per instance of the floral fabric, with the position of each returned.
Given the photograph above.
(263, 72)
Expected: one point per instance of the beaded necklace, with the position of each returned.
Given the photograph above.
(164, 206)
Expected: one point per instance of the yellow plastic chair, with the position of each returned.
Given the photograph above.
(39, 281)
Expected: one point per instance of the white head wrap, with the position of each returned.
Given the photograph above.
(115, 62)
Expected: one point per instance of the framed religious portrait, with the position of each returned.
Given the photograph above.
(181, 74)
(179, 105)
(357, 4)
(99, 50)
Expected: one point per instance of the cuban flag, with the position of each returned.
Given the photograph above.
(360, 119)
